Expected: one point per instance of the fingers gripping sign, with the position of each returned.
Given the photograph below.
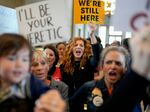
(140, 49)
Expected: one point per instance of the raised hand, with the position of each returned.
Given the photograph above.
(92, 29)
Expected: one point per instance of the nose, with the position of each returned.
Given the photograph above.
(19, 62)
(62, 50)
(113, 65)
(48, 56)
(40, 67)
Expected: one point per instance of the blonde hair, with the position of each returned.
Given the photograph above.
(39, 52)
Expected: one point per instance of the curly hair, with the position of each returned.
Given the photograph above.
(69, 61)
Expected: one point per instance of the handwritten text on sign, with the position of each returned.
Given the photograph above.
(88, 10)
(39, 25)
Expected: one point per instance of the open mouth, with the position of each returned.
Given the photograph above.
(112, 73)
(78, 52)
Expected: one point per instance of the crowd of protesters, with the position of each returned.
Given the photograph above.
(61, 77)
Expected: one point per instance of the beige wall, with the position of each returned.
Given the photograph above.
(31, 1)
(16, 3)
(12, 3)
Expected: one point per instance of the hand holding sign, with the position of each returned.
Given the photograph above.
(140, 45)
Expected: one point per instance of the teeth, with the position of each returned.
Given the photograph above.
(112, 73)
(78, 51)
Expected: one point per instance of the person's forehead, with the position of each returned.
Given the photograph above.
(114, 55)
(39, 58)
(21, 51)
(48, 50)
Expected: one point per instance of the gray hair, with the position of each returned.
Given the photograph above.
(114, 48)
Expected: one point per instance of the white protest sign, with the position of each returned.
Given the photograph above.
(44, 22)
(130, 15)
(8, 20)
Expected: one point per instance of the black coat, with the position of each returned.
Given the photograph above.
(130, 91)
(81, 75)
(84, 96)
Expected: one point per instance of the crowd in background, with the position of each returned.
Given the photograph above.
(88, 76)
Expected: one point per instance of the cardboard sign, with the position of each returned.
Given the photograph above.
(89, 10)
(130, 15)
(44, 22)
